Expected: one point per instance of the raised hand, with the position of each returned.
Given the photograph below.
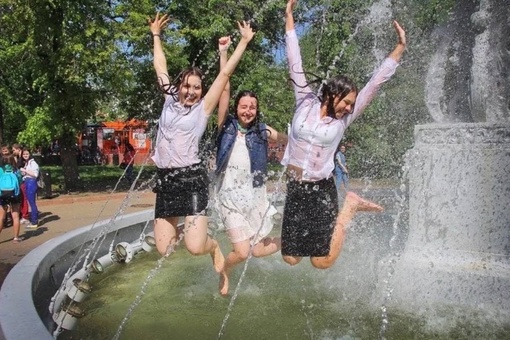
(224, 44)
(396, 54)
(158, 23)
(245, 30)
(400, 32)
(291, 4)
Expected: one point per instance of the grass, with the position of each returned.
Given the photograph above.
(101, 178)
(96, 178)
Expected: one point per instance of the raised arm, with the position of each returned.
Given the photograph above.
(383, 74)
(213, 95)
(289, 17)
(396, 54)
(159, 61)
(295, 63)
(223, 45)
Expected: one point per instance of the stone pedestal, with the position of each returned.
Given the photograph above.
(458, 249)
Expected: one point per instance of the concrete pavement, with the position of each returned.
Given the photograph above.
(64, 213)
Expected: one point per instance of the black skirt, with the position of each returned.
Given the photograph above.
(181, 192)
(309, 217)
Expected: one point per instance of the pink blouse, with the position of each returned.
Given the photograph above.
(312, 140)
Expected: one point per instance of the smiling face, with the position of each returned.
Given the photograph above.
(190, 90)
(246, 110)
(26, 155)
(345, 105)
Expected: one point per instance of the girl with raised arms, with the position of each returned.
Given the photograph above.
(312, 225)
(182, 185)
(241, 167)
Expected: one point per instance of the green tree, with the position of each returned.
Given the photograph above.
(76, 58)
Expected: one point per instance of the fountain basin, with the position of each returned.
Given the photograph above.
(344, 301)
(27, 290)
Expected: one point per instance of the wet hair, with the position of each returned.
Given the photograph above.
(337, 87)
(173, 88)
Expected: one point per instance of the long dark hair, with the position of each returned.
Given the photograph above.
(173, 88)
(337, 87)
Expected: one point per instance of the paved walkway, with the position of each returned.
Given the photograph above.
(64, 213)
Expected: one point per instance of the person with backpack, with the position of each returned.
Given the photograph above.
(17, 151)
(30, 174)
(10, 194)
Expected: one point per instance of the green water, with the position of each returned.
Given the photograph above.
(275, 301)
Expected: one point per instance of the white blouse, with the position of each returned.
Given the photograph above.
(179, 133)
(313, 141)
(33, 168)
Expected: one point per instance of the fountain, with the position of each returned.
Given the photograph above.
(458, 251)
(445, 273)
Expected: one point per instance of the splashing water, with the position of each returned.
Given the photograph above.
(250, 255)
(138, 298)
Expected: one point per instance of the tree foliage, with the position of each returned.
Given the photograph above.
(66, 62)
(352, 38)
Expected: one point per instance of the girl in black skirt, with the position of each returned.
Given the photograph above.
(181, 189)
(312, 225)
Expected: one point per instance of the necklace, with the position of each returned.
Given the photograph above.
(241, 129)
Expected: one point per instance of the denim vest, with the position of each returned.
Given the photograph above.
(257, 149)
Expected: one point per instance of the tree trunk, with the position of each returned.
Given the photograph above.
(72, 181)
(1, 124)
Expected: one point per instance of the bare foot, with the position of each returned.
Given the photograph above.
(360, 204)
(218, 258)
(223, 285)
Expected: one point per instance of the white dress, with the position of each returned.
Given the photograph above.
(244, 210)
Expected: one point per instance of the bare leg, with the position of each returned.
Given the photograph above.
(237, 255)
(3, 212)
(240, 253)
(165, 234)
(292, 260)
(16, 220)
(352, 204)
(199, 243)
(267, 246)
(217, 256)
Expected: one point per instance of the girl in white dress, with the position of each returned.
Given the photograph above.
(241, 164)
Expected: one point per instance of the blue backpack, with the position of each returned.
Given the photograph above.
(9, 183)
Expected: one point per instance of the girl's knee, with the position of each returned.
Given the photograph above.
(242, 254)
(321, 263)
(194, 249)
(291, 260)
(163, 250)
